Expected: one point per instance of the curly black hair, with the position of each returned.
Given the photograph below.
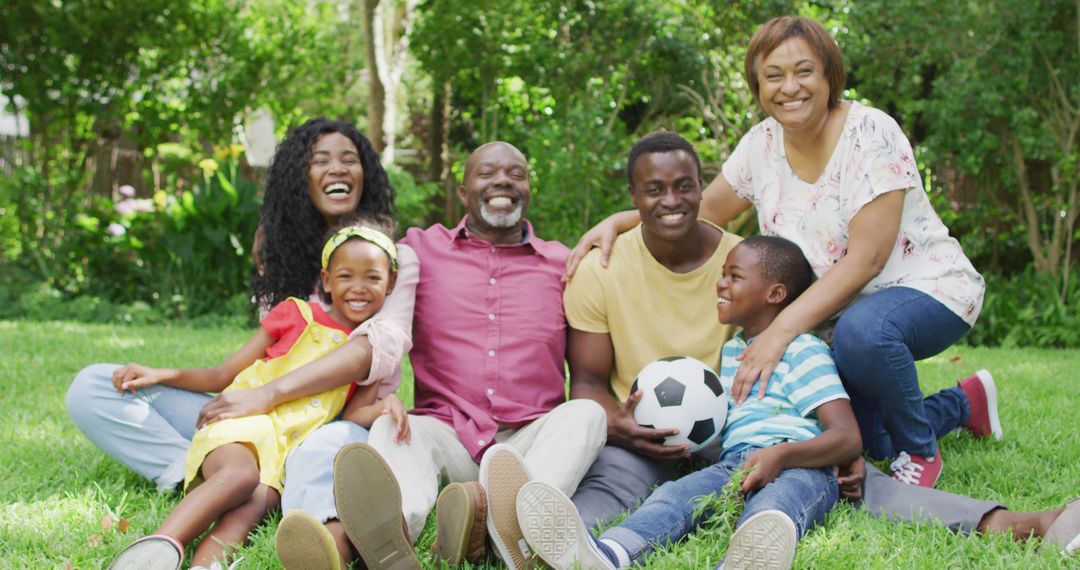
(290, 227)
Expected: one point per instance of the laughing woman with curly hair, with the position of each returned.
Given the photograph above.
(321, 173)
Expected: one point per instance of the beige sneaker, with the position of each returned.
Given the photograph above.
(461, 524)
(502, 475)
(303, 543)
(369, 507)
(766, 541)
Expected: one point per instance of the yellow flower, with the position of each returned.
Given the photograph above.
(208, 166)
(160, 199)
(236, 149)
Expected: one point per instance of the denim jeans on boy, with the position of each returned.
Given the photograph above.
(876, 343)
(151, 431)
(805, 495)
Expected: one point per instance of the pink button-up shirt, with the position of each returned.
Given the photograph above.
(489, 334)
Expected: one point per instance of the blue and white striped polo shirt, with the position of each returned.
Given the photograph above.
(805, 378)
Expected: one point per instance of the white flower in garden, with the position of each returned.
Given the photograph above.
(127, 191)
(116, 229)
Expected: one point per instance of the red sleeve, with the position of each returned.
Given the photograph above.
(280, 319)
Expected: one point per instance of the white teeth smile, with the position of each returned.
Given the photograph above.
(671, 217)
(500, 202)
(337, 187)
(723, 301)
(357, 305)
(793, 104)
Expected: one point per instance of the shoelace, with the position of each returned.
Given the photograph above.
(905, 470)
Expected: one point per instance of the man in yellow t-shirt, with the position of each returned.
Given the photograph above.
(656, 299)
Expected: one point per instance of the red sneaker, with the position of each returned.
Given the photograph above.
(982, 397)
(916, 469)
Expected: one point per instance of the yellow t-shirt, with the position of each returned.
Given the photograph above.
(649, 311)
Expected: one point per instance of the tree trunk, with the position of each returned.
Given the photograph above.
(376, 92)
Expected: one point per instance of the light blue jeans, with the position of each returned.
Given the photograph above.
(151, 431)
(805, 495)
(876, 343)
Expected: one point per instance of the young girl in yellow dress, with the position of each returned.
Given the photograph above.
(235, 467)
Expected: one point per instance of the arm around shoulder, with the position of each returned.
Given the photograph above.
(388, 334)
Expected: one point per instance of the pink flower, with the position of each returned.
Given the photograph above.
(127, 191)
(116, 229)
(125, 207)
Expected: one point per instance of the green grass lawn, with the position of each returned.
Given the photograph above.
(59, 487)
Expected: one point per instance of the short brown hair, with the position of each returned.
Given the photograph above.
(778, 30)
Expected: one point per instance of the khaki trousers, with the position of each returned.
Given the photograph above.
(558, 447)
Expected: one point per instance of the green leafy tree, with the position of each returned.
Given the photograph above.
(989, 89)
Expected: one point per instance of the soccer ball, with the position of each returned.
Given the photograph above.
(682, 393)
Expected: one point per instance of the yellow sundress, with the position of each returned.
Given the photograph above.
(273, 435)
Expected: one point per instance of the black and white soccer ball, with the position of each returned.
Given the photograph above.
(682, 393)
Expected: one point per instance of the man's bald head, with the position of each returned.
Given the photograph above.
(483, 149)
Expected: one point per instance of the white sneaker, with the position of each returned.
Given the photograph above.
(766, 541)
(553, 528)
(502, 475)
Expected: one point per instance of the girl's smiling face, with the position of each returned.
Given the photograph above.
(358, 278)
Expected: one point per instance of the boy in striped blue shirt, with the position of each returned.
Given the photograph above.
(789, 440)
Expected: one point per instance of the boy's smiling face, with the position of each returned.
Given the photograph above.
(358, 279)
(744, 297)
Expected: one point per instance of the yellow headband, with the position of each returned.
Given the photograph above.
(367, 234)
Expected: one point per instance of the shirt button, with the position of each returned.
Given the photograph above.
(481, 442)
(491, 391)
(492, 250)
(315, 403)
(491, 353)
(491, 281)
(491, 317)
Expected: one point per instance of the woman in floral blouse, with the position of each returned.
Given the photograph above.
(839, 179)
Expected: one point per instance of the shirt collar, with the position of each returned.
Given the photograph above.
(461, 231)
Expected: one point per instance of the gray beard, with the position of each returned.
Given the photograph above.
(507, 220)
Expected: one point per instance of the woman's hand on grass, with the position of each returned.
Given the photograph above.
(134, 376)
(236, 404)
(757, 362)
(393, 407)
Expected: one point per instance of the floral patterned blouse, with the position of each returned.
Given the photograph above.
(871, 158)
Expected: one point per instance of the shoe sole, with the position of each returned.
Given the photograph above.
(766, 541)
(455, 514)
(502, 475)
(990, 389)
(369, 507)
(553, 528)
(149, 553)
(303, 543)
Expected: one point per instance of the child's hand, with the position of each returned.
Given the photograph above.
(851, 477)
(765, 465)
(135, 376)
(393, 407)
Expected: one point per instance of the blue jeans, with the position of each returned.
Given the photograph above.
(805, 495)
(876, 343)
(151, 431)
